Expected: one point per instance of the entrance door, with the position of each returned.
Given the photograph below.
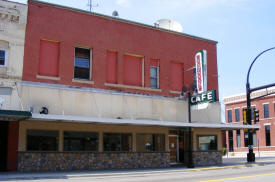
(3, 145)
(173, 147)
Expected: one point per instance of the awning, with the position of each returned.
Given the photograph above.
(14, 115)
(98, 120)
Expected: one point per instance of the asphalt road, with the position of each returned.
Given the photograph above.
(262, 171)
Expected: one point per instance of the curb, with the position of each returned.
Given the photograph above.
(64, 175)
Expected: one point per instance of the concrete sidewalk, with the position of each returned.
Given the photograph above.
(7, 176)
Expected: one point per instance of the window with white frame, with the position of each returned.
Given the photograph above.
(2, 57)
(237, 115)
(266, 111)
(229, 116)
(154, 77)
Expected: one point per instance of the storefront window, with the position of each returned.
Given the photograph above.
(80, 141)
(208, 142)
(150, 142)
(117, 142)
(42, 140)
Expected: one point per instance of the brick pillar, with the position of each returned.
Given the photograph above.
(12, 155)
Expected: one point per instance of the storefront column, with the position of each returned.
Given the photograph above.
(13, 132)
(60, 141)
(100, 142)
(134, 142)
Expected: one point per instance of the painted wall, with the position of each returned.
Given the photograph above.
(62, 100)
(101, 34)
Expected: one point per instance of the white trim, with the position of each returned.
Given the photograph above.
(47, 77)
(75, 80)
(265, 103)
(81, 119)
(267, 124)
(175, 92)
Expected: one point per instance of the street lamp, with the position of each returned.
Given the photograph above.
(250, 154)
(190, 163)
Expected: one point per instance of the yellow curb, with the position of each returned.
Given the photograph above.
(224, 167)
(239, 177)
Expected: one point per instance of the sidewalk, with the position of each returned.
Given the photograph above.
(5, 176)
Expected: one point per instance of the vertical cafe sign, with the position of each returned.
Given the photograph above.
(201, 71)
(203, 96)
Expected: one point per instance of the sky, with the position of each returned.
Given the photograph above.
(242, 28)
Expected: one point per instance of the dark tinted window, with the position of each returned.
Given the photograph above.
(2, 57)
(117, 142)
(229, 116)
(80, 141)
(42, 140)
(266, 111)
(82, 63)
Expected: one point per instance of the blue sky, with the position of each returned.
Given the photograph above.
(243, 28)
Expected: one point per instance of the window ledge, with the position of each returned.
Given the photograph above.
(132, 87)
(174, 92)
(83, 81)
(47, 77)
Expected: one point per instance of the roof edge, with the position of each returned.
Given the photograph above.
(123, 20)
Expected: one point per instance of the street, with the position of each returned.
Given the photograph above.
(262, 170)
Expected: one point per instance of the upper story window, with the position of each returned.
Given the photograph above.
(153, 77)
(82, 63)
(237, 115)
(2, 57)
(111, 67)
(133, 72)
(176, 76)
(154, 73)
(266, 111)
(49, 58)
(229, 116)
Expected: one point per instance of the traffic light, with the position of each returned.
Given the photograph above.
(256, 116)
(246, 116)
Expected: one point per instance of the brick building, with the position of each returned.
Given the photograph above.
(104, 93)
(237, 141)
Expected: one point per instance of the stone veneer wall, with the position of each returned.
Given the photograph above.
(67, 161)
(207, 158)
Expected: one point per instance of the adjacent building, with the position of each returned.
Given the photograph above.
(13, 18)
(237, 141)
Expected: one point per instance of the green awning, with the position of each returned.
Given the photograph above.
(14, 115)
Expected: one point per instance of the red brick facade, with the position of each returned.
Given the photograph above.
(73, 28)
(261, 134)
